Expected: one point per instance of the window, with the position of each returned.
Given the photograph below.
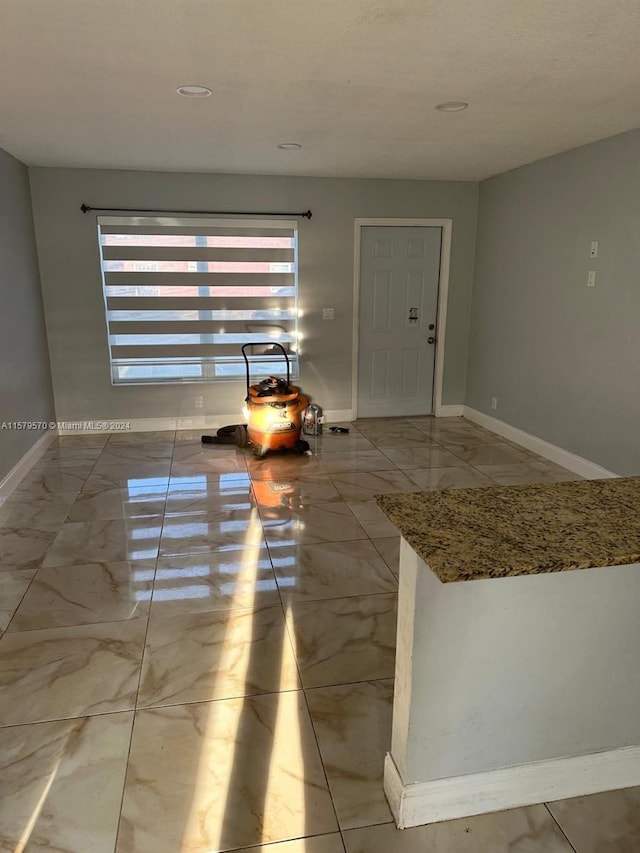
(183, 295)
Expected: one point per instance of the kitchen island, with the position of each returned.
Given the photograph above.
(518, 655)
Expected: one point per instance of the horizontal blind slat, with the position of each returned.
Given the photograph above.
(190, 327)
(256, 358)
(192, 253)
(200, 303)
(150, 351)
(198, 279)
(196, 231)
(188, 220)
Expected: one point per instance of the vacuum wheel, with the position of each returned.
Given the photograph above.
(302, 446)
(240, 435)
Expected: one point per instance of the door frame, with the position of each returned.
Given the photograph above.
(443, 295)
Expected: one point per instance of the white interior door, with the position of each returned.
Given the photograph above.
(399, 274)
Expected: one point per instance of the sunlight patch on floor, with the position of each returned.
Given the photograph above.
(204, 813)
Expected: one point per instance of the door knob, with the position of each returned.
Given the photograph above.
(431, 340)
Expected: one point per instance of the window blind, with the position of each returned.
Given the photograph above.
(183, 295)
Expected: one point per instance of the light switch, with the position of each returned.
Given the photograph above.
(594, 249)
(591, 278)
(327, 314)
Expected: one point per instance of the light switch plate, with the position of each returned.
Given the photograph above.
(327, 314)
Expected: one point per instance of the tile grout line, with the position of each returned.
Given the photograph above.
(6, 630)
(322, 762)
(72, 624)
(303, 688)
(144, 643)
(44, 556)
(33, 577)
(292, 642)
(564, 834)
(265, 845)
(84, 716)
(192, 702)
(142, 656)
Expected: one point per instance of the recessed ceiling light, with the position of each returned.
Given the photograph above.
(194, 91)
(290, 146)
(452, 106)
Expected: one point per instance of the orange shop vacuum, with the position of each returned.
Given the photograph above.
(273, 409)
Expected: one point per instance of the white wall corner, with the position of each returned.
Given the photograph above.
(394, 789)
(577, 464)
(509, 787)
(22, 467)
(449, 411)
(338, 415)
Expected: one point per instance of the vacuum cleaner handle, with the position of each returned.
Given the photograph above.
(265, 344)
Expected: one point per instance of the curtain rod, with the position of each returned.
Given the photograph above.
(85, 208)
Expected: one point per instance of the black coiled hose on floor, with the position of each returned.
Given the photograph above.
(225, 435)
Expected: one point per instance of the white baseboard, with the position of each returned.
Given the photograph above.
(577, 464)
(22, 467)
(509, 787)
(196, 422)
(440, 412)
(338, 415)
(449, 411)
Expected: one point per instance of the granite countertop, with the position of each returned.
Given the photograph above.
(501, 531)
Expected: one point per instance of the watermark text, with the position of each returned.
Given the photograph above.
(68, 426)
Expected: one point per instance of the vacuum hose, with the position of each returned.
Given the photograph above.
(225, 435)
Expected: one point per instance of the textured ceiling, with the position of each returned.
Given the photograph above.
(91, 83)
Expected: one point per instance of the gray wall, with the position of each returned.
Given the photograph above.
(25, 379)
(562, 359)
(72, 290)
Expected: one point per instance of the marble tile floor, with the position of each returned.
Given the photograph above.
(197, 648)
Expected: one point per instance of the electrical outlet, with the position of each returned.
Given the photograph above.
(591, 278)
(199, 402)
(494, 402)
(594, 249)
(327, 314)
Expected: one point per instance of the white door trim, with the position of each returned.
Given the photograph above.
(443, 294)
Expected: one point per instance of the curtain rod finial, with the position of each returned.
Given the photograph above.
(85, 208)
(307, 214)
